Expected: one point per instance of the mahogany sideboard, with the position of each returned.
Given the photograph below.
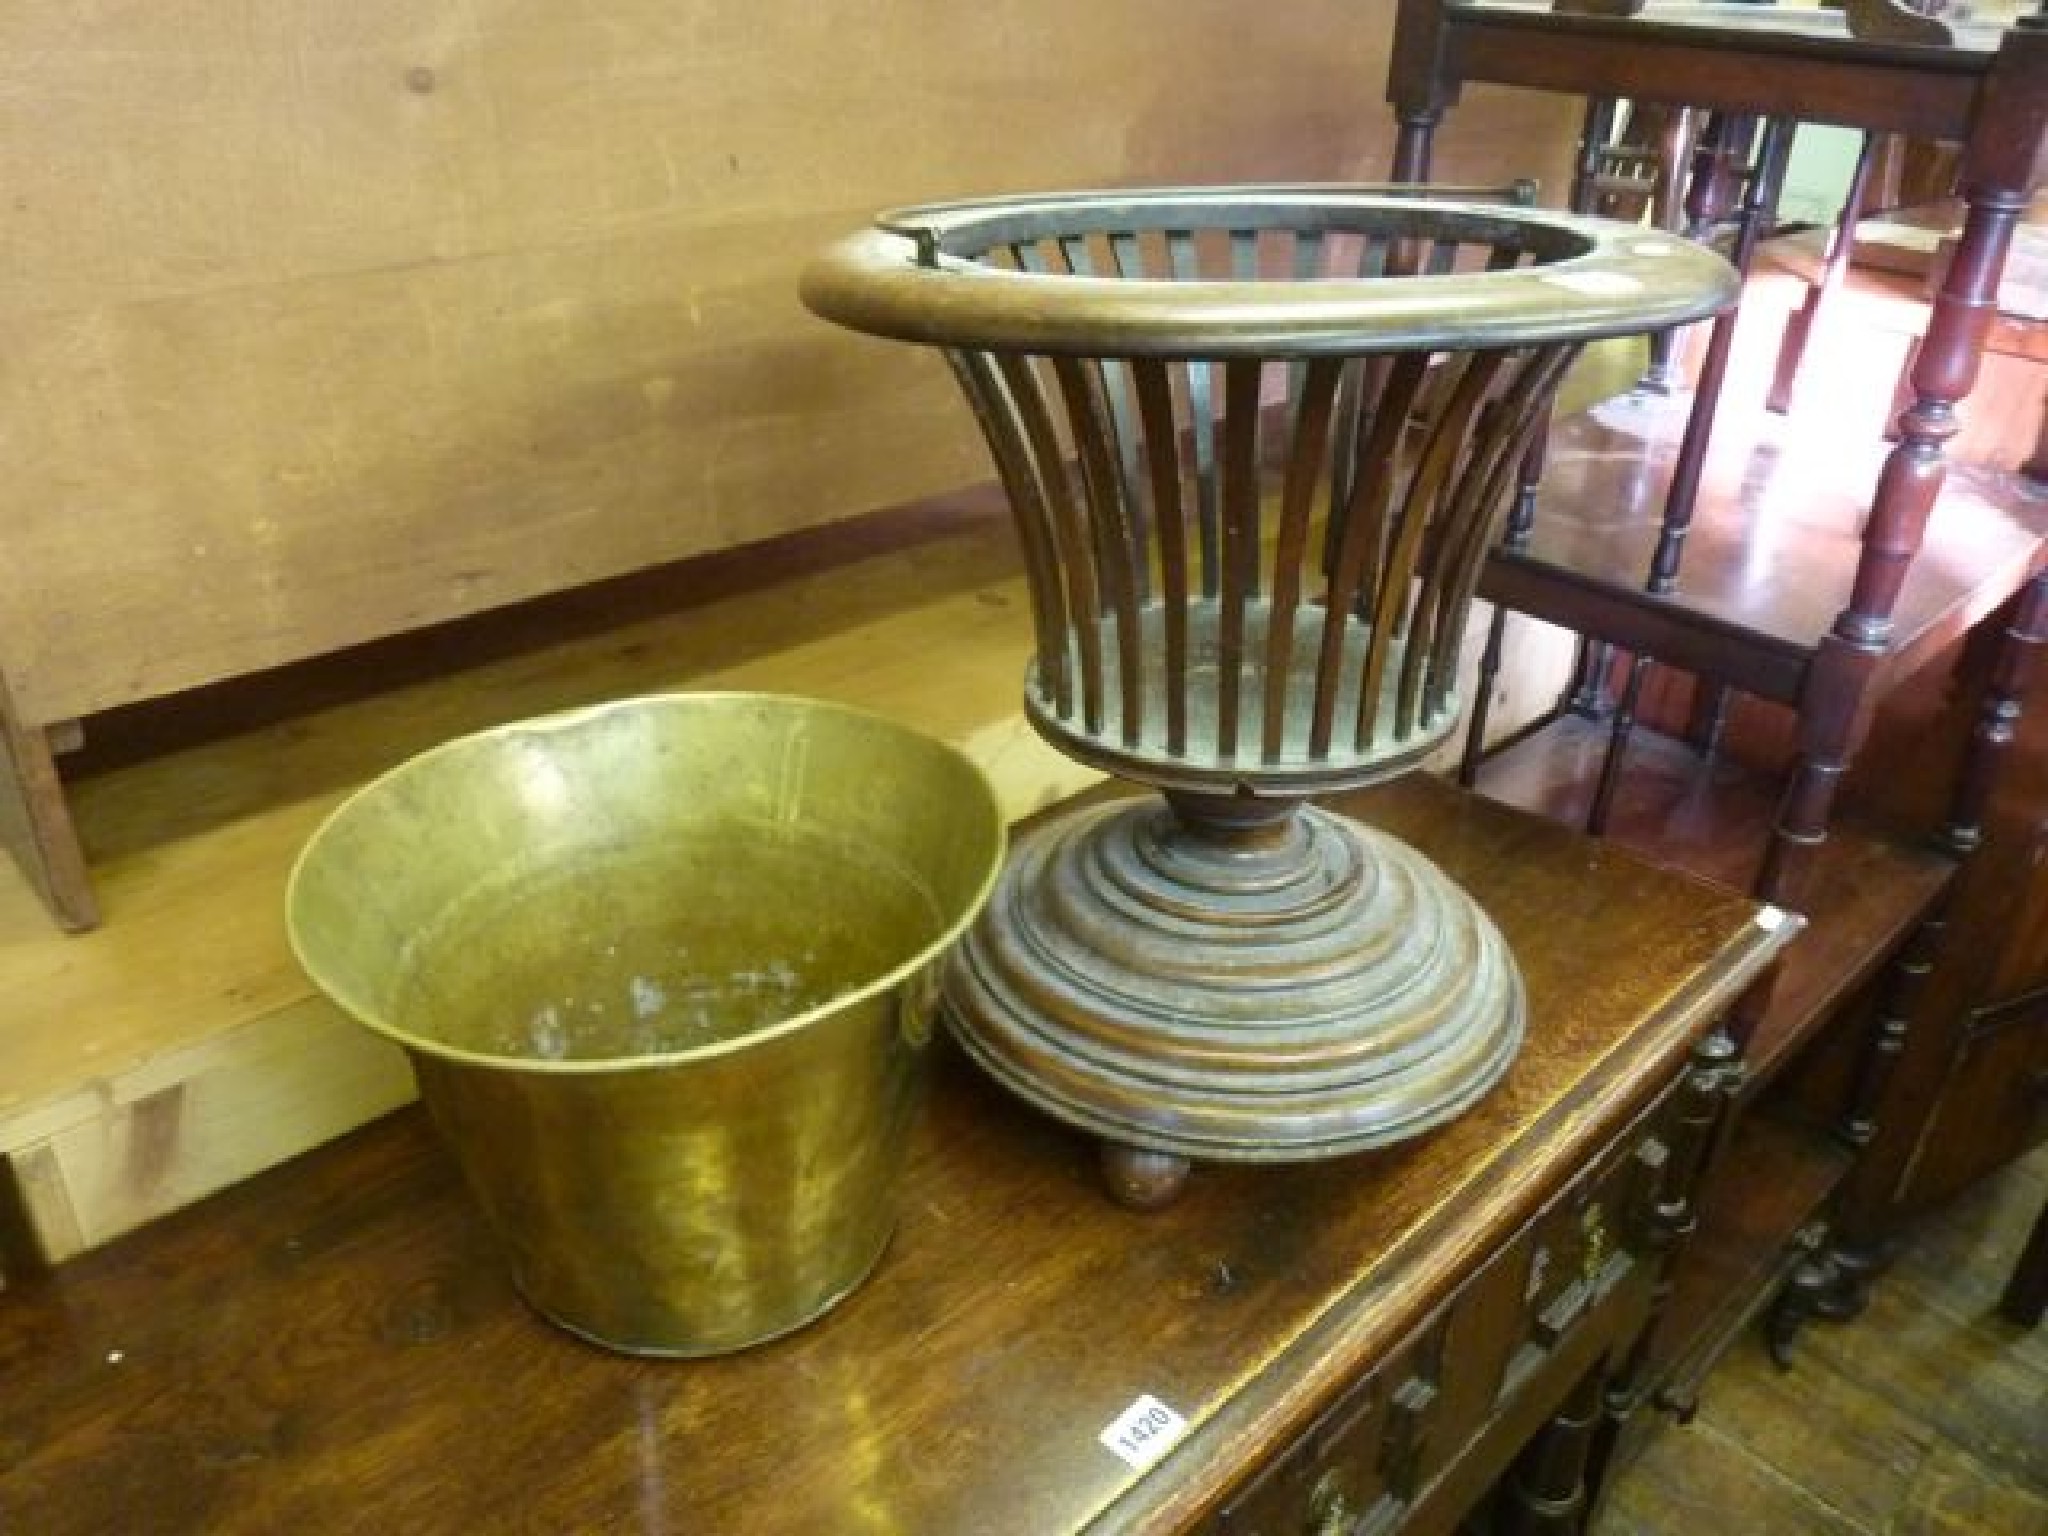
(1360, 1345)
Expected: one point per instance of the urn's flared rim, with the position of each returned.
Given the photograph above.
(917, 275)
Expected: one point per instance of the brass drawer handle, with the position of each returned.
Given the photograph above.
(1329, 1512)
(1407, 1433)
(1593, 1257)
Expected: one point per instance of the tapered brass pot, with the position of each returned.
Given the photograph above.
(665, 969)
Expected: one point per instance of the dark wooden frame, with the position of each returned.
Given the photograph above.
(1996, 102)
(1989, 92)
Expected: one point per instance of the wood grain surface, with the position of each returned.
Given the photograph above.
(326, 324)
(334, 1345)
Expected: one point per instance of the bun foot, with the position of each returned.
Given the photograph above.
(1140, 1178)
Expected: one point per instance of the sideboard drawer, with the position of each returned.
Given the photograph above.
(1571, 1284)
(1352, 1463)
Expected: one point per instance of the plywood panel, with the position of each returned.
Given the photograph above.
(397, 447)
(325, 322)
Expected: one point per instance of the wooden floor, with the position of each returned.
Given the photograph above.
(1928, 1415)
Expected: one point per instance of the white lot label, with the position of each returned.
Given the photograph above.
(1143, 1432)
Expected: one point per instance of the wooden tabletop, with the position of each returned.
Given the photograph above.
(1807, 29)
(1794, 62)
(335, 1346)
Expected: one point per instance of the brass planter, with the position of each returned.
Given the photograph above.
(665, 969)
(1257, 441)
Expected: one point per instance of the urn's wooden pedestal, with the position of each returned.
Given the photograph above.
(336, 1346)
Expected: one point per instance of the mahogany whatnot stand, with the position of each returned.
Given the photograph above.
(1818, 588)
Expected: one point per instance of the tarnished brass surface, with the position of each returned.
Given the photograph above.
(1257, 441)
(665, 968)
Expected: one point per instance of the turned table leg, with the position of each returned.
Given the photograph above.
(1546, 1492)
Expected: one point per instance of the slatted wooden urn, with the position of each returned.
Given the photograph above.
(1256, 441)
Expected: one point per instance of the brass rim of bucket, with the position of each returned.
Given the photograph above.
(569, 719)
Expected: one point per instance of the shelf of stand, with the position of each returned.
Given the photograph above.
(1711, 817)
(1774, 1179)
(1772, 550)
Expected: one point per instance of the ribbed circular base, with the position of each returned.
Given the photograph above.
(1309, 991)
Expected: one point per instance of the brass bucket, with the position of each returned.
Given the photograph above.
(665, 969)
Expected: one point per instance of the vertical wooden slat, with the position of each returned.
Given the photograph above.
(1186, 260)
(1003, 427)
(1315, 403)
(1447, 432)
(1162, 453)
(1343, 448)
(1368, 377)
(1084, 605)
(1129, 452)
(1530, 437)
(1309, 256)
(1240, 540)
(1351, 391)
(1362, 528)
(1206, 408)
(1448, 520)
(1244, 255)
(1128, 264)
(1130, 257)
(1482, 489)
(1405, 255)
(1108, 520)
